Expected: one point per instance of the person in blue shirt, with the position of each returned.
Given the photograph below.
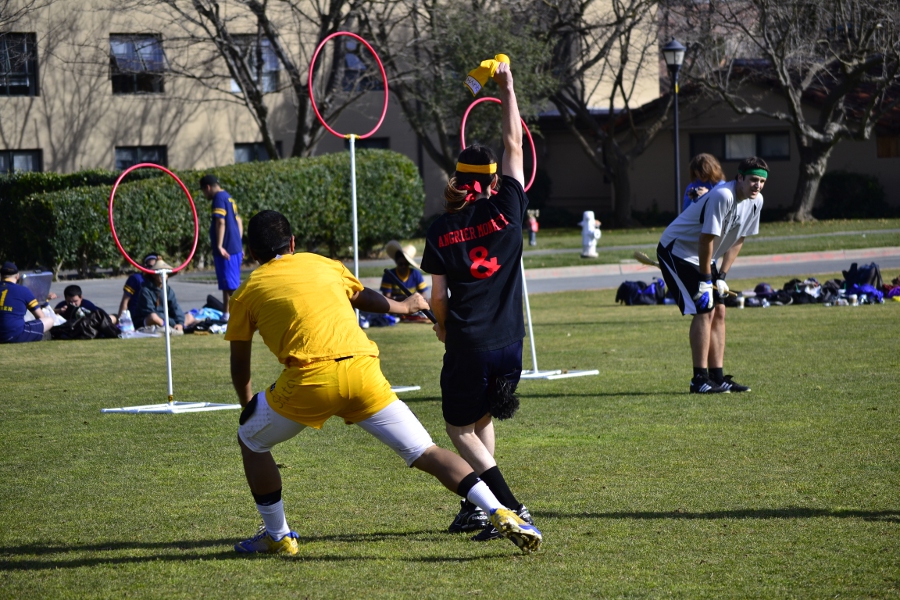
(75, 299)
(706, 173)
(225, 231)
(407, 272)
(15, 301)
(151, 310)
(132, 289)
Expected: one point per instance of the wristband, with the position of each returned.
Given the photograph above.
(707, 277)
(722, 275)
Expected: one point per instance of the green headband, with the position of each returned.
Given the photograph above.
(758, 172)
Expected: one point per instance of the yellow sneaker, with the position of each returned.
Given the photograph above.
(263, 543)
(524, 535)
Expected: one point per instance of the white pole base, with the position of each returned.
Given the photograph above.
(558, 374)
(172, 408)
(397, 389)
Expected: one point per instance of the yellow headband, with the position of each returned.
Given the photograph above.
(488, 169)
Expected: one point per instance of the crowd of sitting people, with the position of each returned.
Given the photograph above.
(25, 318)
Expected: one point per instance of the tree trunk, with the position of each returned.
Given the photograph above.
(813, 162)
(621, 183)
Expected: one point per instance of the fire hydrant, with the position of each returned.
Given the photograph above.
(590, 233)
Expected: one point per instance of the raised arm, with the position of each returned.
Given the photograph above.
(512, 125)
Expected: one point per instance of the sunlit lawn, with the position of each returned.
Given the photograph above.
(641, 489)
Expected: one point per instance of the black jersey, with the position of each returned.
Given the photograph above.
(479, 250)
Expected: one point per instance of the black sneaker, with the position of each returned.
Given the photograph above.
(469, 518)
(490, 532)
(704, 385)
(732, 386)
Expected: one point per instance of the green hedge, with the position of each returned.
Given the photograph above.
(25, 223)
(846, 195)
(69, 228)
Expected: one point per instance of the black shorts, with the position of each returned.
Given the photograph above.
(683, 280)
(466, 379)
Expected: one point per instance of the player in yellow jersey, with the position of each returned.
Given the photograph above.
(302, 305)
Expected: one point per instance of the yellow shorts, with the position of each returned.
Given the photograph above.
(353, 389)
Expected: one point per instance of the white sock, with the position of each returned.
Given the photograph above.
(273, 517)
(226, 316)
(482, 496)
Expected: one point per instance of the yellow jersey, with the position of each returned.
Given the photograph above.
(300, 305)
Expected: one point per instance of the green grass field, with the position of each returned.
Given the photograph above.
(641, 489)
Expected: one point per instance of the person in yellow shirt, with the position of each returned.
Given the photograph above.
(303, 307)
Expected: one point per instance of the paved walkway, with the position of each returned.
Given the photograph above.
(107, 293)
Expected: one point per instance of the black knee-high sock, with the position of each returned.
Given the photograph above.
(465, 485)
(494, 480)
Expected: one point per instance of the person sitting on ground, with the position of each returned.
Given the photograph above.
(706, 173)
(74, 299)
(407, 272)
(132, 289)
(150, 308)
(15, 301)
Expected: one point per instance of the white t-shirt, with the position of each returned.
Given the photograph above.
(718, 213)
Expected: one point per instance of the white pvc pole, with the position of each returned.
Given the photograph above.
(534, 368)
(165, 286)
(353, 199)
(353, 203)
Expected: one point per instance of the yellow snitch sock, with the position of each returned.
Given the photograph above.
(478, 77)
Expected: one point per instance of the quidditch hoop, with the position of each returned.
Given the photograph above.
(462, 135)
(312, 98)
(112, 225)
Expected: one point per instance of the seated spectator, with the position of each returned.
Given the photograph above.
(706, 173)
(407, 271)
(74, 300)
(150, 308)
(15, 301)
(132, 290)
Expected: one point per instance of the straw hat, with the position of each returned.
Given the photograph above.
(161, 264)
(408, 251)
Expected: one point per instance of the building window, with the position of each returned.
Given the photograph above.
(378, 143)
(128, 156)
(361, 74)
(738, 146)
(244, 153)
(18, 64)
(136, 64)
(888, 146)
(12, 161)
(261, 61)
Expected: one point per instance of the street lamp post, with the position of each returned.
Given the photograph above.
(674, 55)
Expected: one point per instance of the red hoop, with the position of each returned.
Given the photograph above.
(112, 225)
(312, 98)
(462, 136)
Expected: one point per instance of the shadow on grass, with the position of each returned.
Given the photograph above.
(563, 395)
(47, 556)
(793, 512)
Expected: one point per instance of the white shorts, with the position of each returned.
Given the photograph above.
(395, 425)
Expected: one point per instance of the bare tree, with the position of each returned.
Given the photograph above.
(245, 48)
(11, 11)
(428, 46)
(841, 57)
(600, 50)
